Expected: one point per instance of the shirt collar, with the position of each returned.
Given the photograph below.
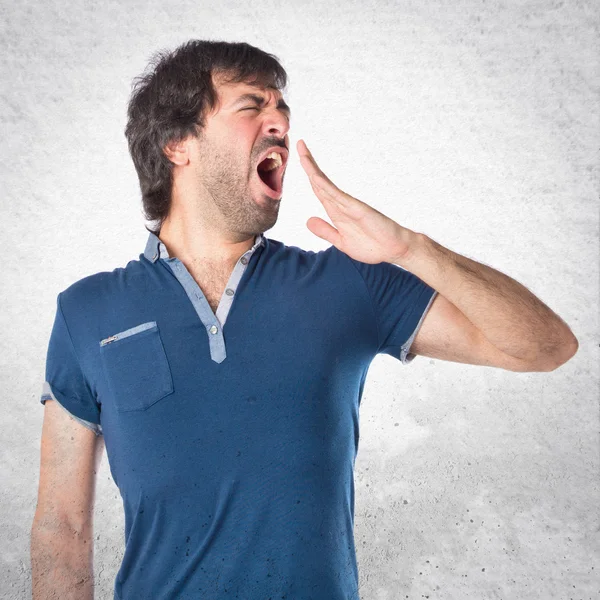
(155, 248)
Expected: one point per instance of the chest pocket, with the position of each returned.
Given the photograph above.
(136, 367)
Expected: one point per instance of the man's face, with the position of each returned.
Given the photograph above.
(235, 139)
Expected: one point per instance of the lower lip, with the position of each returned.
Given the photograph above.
(267, 190)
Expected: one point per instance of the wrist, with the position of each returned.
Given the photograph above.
(414, 246)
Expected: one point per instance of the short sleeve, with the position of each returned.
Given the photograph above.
(48, 394)
(400, 301)
(64, 380)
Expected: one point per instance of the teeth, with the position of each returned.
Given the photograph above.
(277, 160)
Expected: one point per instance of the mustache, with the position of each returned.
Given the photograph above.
(280, 144)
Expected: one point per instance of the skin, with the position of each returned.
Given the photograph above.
(217, 203)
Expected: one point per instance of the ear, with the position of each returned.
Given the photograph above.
(178, 152)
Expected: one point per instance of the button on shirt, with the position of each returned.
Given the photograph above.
(232, 436)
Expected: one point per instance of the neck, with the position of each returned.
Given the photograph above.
(197, 246)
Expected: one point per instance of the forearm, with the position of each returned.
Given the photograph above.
(506, 312)
(61, 564)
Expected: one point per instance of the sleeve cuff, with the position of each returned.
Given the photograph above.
(405, 356)
(48, 394)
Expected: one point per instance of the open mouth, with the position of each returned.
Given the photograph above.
(270, 171)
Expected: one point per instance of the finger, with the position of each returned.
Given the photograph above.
(316, 175)
(324, 230)
(309, 164)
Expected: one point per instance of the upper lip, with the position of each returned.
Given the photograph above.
(280, 150)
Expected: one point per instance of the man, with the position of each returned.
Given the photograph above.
(224, 370)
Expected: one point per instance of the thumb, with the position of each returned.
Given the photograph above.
(323, 230)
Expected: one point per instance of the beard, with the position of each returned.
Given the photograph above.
(233, 189)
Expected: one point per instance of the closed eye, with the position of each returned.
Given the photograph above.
(256, 108)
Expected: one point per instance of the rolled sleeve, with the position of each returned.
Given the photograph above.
(64, 378)
(48, 394)
(405, 355)
(400, 302)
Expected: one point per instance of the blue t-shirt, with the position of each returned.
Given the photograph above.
(232, 436)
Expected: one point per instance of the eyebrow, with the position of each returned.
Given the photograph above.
(260, 100)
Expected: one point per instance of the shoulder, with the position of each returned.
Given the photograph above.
(331, 256)
(98, 287)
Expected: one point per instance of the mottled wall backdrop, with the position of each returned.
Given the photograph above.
(474, 122)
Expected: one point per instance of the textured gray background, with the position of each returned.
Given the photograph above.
(473, 122)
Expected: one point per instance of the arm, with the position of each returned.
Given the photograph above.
(511, 320)
(498, 313)
(61, 562)
(62, 531)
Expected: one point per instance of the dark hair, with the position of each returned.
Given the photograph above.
(169, 102)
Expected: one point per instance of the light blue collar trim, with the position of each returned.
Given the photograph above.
(155, 248)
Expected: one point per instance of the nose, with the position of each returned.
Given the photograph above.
(277, 123)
